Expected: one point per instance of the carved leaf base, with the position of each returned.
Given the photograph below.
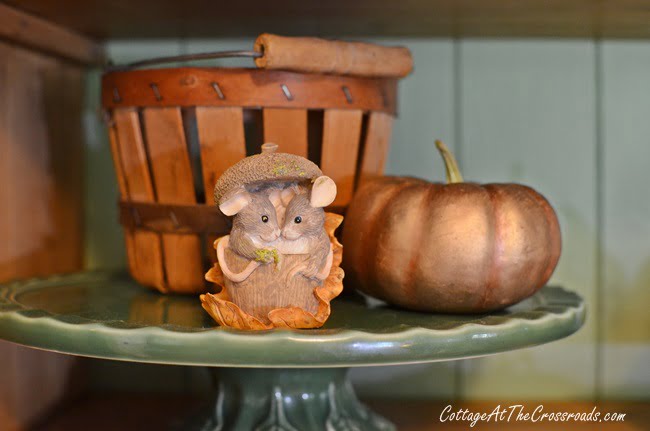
(299, 399)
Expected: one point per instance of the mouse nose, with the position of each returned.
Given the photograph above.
(276, 233)
(288, 234)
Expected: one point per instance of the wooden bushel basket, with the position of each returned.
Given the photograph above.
(174, 131)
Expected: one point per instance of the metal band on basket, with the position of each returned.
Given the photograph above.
(168, 218)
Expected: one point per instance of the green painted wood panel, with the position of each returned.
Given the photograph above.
(199, 46)
(528, 115)
(426, 113)
(625, 224)
(426, 110)
(127, 51)
(104, 240)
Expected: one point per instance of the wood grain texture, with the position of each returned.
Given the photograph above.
(31, 31)
(41, 216)
(287, 128)
(625, 252)
(147, 246)
(172, 177)
(42, 178)
(341, 136)
(222, 144)
(64, 119)
(376, 145)
(335, 57)
(528, 116)
(363, 18)
(268, 288)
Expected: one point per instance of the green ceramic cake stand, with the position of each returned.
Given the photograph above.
(272, 380)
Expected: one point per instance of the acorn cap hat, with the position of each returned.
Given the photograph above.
(265, 167)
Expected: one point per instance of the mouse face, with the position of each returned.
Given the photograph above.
(258, 219)
(302, 219)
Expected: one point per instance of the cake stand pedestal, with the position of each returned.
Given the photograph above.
(282, 380)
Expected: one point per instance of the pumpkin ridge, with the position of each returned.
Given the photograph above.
(532, 197)
(369, 264)
(551, 224)
(417, 248)
(354, 257)
(497, 244)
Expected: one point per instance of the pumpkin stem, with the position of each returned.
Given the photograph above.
(453, 173)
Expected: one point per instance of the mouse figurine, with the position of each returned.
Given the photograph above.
(303, 233)
(254, 231)
(279, 267)
(255, 228)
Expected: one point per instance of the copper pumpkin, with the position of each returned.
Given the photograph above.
(456, 247)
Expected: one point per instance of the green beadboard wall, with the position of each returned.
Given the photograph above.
(568, 117)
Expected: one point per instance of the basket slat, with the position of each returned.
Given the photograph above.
(341, 136)
(375, 149)
(287, 128)
(124, 195)
(222, 143)
(172, 175)
(147, 250)
(221, 138)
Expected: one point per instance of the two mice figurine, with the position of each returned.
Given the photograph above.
(279, 267)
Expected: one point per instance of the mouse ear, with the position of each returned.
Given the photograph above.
(234, 201)
(323, 192)
(288, 194)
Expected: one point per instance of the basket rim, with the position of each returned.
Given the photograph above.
(190, 86)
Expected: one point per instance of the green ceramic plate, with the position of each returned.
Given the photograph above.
(107, 315)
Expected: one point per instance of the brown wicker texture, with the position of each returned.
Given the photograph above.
(173, 132)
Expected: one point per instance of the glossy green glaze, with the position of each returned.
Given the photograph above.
(107, 315)
(293, 399)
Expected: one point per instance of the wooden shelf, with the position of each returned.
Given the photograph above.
(423, 18)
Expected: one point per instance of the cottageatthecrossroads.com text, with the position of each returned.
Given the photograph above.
(518, 413)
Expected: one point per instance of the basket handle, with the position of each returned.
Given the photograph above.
(185, 57)
(311, 55)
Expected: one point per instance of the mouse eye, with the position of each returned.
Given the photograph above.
(265, 218)
(298, 219)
